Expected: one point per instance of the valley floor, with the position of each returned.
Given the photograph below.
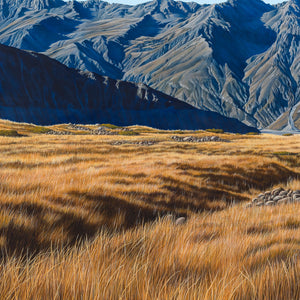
(86, 216)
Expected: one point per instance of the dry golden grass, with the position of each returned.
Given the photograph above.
(81, 218)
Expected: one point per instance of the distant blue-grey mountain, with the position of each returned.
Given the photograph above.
(239, 58)
(35, 88)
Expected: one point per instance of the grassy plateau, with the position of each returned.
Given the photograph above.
(85, 216)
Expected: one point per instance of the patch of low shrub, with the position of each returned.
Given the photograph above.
(214, 130)
(128, 133)
(11, 133)
(179, 132)
(281, 153)
(110, 126)
(39, 129)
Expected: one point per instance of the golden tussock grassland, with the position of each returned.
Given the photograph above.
(82, 218)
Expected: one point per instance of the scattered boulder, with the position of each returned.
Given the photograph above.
(175, 220)
(78, 127)
(269, 203)
(180, 221)
(277, 191)
(296, 197)
(283, 193)
(99, 131)
(194, 139)
(139, 143)
(103, 131)
(276, 197)
(53, 132)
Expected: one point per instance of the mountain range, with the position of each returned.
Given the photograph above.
(37, 89)
(239, 59)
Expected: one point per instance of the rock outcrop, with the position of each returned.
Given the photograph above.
(276, 197)
(194, 139)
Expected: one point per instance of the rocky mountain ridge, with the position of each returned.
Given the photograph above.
(238, 58)
(40, 90)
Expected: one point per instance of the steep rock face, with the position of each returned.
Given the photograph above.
(35, 88)
(206, 57)
(273, 76)
(90, 35)
(239, 58)
(9, 8)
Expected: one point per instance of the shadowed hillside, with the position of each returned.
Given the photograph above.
(41, 90)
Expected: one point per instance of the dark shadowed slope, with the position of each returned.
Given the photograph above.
(238, 58)
(35, 88)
